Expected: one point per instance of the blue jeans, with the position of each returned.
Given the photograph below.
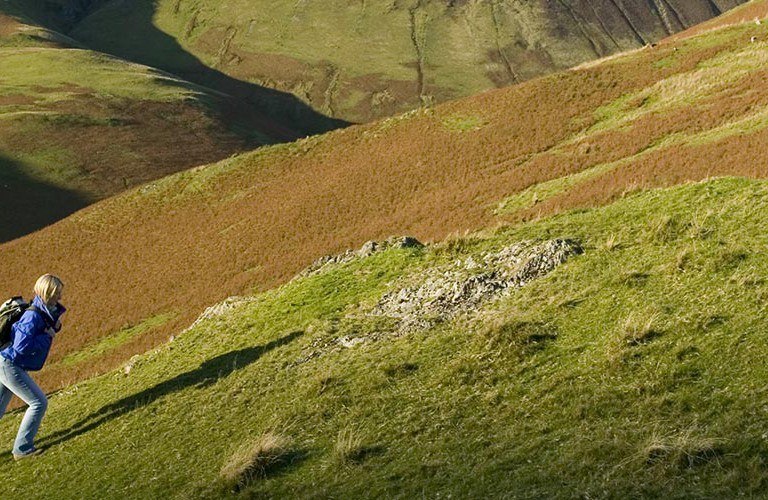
(14, 380)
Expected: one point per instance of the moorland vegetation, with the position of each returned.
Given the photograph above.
(77, 126)
(94, 125)
(634, 369)
(368, 60)
(682, 110)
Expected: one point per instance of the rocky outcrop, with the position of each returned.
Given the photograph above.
(443, 293)
(369, 248)
(220, 309)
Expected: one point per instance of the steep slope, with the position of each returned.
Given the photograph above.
(77, 126)
(142, 265)
(633, 370)
(365, 60)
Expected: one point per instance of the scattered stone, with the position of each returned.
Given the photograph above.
(131, 363)
(369, 248)
(444, 293)
(350, 341)
(221, 309)
(324, 345)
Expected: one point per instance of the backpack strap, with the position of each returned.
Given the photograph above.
(46, 318)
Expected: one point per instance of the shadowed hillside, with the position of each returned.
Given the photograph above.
(279, 113)
(91, 125)
(365, 60)
(683, 110)
(27, 204)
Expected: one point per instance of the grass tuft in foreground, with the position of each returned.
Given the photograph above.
(257, 459)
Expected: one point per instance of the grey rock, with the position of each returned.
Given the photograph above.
(369, 248)
(443, 293)
(220, 309)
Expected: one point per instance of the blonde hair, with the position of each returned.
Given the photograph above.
(46, 287)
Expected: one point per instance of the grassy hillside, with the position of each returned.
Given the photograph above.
(365, 60)
(633, 370)
(78, 125)
(683, 110)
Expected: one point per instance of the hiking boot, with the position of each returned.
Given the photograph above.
(33, 453)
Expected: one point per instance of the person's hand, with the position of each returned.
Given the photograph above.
(51, 332)
(57, 327)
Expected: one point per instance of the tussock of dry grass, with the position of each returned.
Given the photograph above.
(749, 277)
(682, 259)
(612, 242)
(523, 336)
(699, 226)
(255, 460)
(663, 229)
(636, 329)
(349, 446)
(639, 328)
(685, 450)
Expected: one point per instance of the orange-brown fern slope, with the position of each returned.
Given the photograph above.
(683, 110)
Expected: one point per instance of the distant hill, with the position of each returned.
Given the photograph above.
(269, 105)
(97, 125)
(365, 60)
(78, 125)
(155, 256)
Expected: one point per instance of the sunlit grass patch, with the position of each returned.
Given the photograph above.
(257, 459)
(615, 366)
(39, 68)
(463, 123)
(350, 447)
(89, 353)
(684, 450)
(639, 328)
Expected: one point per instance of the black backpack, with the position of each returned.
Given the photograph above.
(10, 313)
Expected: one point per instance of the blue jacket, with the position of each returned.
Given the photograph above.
(31, 343)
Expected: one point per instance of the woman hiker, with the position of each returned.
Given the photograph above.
(32, 337)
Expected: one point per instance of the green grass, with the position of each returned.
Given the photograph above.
(636, 369)
(543, 190)
(462, 123)
(110, 342)
(45, 74)
(22, 40)
(374, 48)
(57, 166)
(96, 85)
